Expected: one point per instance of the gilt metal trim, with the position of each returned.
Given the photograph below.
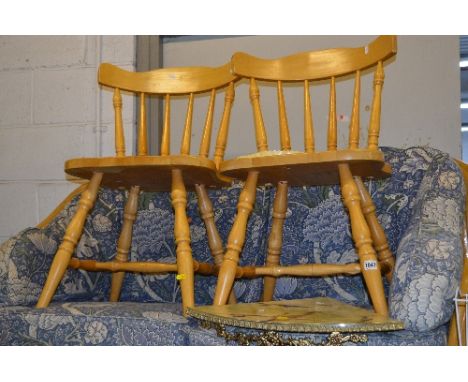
(272, 338)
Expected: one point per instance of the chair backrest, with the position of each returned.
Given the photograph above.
(167, 82)
(307, 67)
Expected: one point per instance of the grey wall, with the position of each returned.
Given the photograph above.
(421, 95)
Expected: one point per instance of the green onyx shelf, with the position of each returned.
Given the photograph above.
(313, 315)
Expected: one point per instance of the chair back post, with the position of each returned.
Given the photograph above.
(354, 126)
(119, 133)
(332, 134)
(374, 125)
(187, 136)
(309, 140)
(283, 119)
(142, 132)
(166, 133)
(223, 131)
(206, 136)
(260, 133)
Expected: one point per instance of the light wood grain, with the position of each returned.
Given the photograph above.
(309, 139)
(362, 239)
(354, 127)
(283, 119)
(183, 80)
(223, 131)
(379, 239)
(316, 65)
(182, 239)
(236, 240)
(206, 136)
(187, 135)
(166, 133)
(374, 124)
(165, 172)
(302, 169)
(142, 131)
(275, 240)
(151, 173)
(332, 133)
(260, 132)
(214, 240)
(125, 241)
(119, 134)
(70, 240)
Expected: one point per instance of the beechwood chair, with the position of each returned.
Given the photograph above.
(162, 172)
(309, 167)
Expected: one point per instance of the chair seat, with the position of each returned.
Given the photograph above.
(307, 169)
(144, 170)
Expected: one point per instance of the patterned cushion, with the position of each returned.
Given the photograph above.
(25, 259)
(127, 323)
(96, 323)
(430, 253)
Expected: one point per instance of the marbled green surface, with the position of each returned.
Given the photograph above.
(305, 315)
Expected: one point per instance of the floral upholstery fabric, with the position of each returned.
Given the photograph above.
(429, 262)
(153, 239)
(25, 259)
(130, 323)
(420, 207)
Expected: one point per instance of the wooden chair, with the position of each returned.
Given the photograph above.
(308, 167)
(152, 173)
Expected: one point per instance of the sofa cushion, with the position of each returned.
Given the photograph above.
(94, 323)
(430, 253)
(25, 259)
(128, 323)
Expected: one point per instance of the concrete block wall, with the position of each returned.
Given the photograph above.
(52, 109)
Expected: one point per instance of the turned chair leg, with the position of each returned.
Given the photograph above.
(386, 258)
(182, 240)
(362, 239)
(214, 240)
(236, 240)
(275, 240)
(125, 241)
(70, 240)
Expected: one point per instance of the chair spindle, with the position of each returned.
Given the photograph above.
(221, 139)
(309, 144)
(125, 241)
(142, 132)
(332, 134)
(374, 125)
(283, 119)
(260, 133)
(206, 137)
(182, 239)
(166, 134)
(354, 126)
(187, 137)
(119, 133)
(275, 240)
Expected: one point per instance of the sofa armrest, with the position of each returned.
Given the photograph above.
(25, 258)
(430, 254)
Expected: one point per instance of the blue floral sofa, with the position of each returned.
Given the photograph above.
(421, 208)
